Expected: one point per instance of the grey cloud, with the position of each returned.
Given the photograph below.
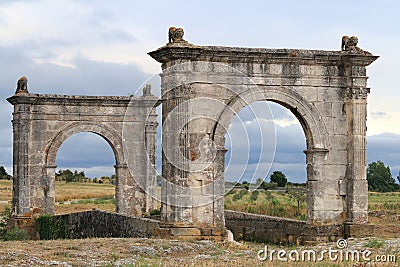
(85, 150)
(244, 154)
(264, 110)
(379, 115)
(88, 78)
(385, 147)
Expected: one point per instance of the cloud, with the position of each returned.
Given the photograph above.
(78, 47)
(257, 146)
(88, 77)
(379, 115)
(385, 147)
(86, 152)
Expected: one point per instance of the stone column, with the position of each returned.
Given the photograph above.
(219, 187)
(357, 186)
(21, 133)
(315, 159)
(176, 197)
(49, 189)
(121, 177)
(151, 175)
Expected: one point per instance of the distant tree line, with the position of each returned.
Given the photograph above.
(4, 175)
(79, 177)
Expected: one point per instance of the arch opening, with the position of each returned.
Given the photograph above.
(266, 137)
(85, 174)
(83, 149)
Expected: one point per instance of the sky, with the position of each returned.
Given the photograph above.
(99, 47)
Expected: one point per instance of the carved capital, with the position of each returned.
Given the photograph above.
(357, 93)
(121, 166)
(151, 125)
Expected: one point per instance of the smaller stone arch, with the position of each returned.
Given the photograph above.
(42, 123)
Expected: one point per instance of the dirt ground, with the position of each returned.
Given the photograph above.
(157, 252)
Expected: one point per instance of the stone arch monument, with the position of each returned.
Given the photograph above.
(42, 123)
(203, 87)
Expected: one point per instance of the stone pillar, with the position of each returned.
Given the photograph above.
(151, 175)
(316, 195)
(48, 181)
(219, 187)
(193, 169)
(357, 186)
(21, 133)
(176, 198)
(121, 177)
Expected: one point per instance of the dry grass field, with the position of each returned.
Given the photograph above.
(162, 252)
(67, 196)
(73, 197)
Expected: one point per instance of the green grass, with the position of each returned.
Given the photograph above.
(102, 200)
(384, 201)
(282, 205)
(374, 243)
(266, 203)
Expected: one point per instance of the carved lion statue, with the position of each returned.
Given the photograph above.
(22, 85)
(350, 44)
(175, 35)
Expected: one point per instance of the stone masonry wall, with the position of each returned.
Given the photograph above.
(97, 223)
(268, 229)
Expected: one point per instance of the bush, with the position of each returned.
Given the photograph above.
(268, 186)
(14, 234)
(9, 234)
(155, 212)
(50, 228)
(254, 195)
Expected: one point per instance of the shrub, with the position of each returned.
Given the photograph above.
(9, 234)
(155, 212)
(51, 228)
(254, 195)
(374, 243)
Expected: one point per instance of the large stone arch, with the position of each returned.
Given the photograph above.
(325, 90)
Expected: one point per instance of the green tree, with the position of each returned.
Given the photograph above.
(379, 178)
(279, 178)
(65, 175)
(3, 174)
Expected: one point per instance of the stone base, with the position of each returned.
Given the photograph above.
(359, 230)
(191, 233)
(24, 222)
